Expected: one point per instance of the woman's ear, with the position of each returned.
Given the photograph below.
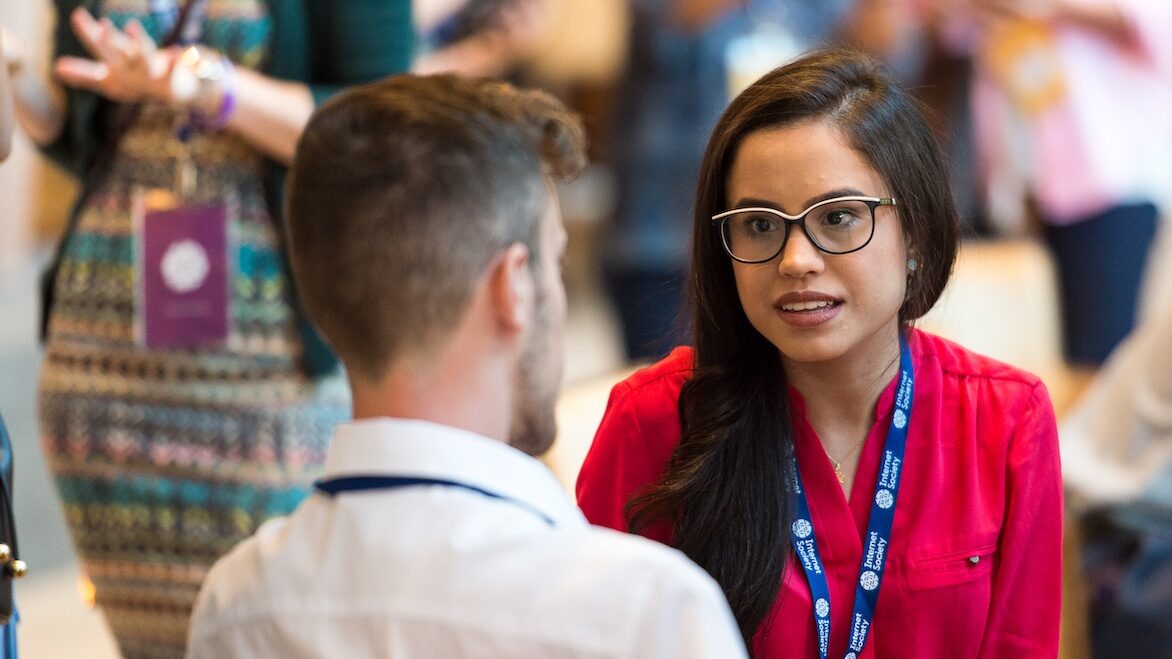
(913, 260)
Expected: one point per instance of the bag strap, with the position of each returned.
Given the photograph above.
(10, 564)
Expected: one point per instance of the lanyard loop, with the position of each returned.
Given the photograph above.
(878, 538)
(333, 486)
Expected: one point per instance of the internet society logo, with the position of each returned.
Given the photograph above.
(899, 419)
(802, 528)
(869, 580)
(884, 499)
(822, 607)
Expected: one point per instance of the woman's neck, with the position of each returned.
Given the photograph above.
(840, 395)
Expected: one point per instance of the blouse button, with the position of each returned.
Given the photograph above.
(973, 560)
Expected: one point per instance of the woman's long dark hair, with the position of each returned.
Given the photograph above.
(727, 490)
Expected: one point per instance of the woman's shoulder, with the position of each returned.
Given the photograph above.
(650, 396)
(996, 399)
(664, 378)
(634, 441)
(954, 360)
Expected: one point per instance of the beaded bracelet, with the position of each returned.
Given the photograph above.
(216, 122)
(203, 78)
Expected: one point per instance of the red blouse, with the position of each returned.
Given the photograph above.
(975, 562)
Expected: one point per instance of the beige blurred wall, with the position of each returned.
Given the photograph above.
(585, 41)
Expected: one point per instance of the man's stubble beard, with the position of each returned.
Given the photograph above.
(534, 421)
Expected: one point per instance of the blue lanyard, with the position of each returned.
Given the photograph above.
(878, 527)
(333, 486)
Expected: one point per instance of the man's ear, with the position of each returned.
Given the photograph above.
(511, 288)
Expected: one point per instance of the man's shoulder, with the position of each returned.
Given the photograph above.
(631, 563)
(234, 585)
(243, 577)
(649, 597)
(594, 591)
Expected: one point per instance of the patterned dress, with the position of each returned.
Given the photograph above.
(166, 458)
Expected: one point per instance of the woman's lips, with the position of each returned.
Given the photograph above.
(807, 309)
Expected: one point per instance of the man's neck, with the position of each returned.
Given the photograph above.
(473, 395)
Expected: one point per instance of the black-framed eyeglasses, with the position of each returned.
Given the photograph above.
(835, 226)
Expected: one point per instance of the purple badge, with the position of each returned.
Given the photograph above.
(185, 277)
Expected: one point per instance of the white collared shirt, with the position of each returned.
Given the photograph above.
(438, 571)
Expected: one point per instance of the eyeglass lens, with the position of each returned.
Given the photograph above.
(837, 227)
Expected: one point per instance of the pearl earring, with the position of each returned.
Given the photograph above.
(912, 265)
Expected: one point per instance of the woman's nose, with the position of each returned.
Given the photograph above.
(799, 257)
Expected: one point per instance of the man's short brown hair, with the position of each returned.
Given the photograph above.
(401, 194)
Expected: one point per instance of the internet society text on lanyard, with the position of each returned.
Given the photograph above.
(878, 527)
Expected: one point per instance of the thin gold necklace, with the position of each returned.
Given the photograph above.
(838, 473)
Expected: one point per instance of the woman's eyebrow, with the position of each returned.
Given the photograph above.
(746, 202)
(840, 192)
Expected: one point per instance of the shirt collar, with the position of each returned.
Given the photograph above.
(411, 447)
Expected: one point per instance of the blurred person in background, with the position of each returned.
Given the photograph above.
(9, 63)
(7, 631)
(477, 38)
(1071, 103)
(1117, 463)
(944, 85)
(184, 398)
(685, 58)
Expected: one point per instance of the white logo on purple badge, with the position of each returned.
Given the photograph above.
(185, 266)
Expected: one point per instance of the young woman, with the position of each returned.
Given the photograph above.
(857, 487)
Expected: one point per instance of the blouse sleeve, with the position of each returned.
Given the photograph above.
(358, 41)
(1027, 582)
(620, 461)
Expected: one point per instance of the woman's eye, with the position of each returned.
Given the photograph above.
(840, 218)
(761, 225)
(837, 217)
